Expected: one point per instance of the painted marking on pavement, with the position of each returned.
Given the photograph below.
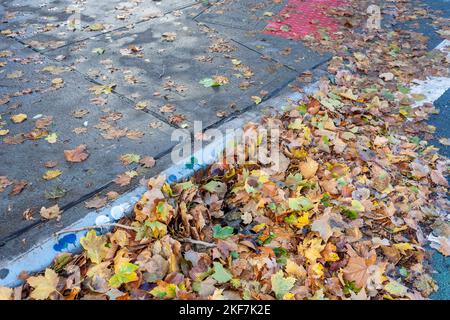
(301, 18)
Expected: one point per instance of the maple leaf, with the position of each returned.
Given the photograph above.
(43, 285)
(357, 268)
(309, 168)
(50, 213)
(300, 204)
(281, 285)
(441, 244)
(215, 186)
(6, 293)
(395, 288)
(148, 162)
(295, 270)
(120, 237)
(122, 179)
(130, 158)
(164, 290)
(96, 202)
(222, 233)
(221, 275)
(78, 154)
(95, 246)
(126, 273)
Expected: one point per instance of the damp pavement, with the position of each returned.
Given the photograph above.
(120, 77)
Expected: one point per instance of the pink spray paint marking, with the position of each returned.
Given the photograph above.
(300, 18)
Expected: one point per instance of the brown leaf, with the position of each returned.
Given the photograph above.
(438, 178)
(51, 164)
(111, 195)
(148, 162)
(44, 122)
(17, 187)
(78, 154)
(96, 202)
(50, 213)
(4, 182)
(28, 214)
(122, 179)
(309, 168)
(357, 268)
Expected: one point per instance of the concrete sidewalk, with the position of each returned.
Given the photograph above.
(118, 77)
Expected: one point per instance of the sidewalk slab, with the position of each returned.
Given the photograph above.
(112, 127)
(250, 15)
(49, 24)
(164, 74)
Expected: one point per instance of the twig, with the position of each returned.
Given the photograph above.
(200, 243)
(106, 225)
(163, 71)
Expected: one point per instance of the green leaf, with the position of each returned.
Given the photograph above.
(99, 51)
(52, 138)
(214, 186)
(281, 285)
(221, 274)
(158, 229)
(357, 206)
(222, 233)
(130, 158)
(403, 89)
(165, 291)
(396, 289)
(300, 204)
(208, 82)
(127, 273)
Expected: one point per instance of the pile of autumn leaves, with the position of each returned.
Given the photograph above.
(339, 217)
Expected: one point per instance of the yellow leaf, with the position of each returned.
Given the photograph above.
(18, 118)
(43, 285)
(51, 174)
(95, 246)
(6, 293)
(256, 99)
(311, 249)
(120, 237)
(317, 269)
(403, 246)
(295, 270)
(4, 132)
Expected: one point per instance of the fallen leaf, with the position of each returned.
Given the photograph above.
(51, 174)
(309, 168)
(43, 285)
(95, 246)
(281, 285)
(17, 187)
(78, 154)
(50, 213)
(19, 118)
(96, 202)
(147, 162)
